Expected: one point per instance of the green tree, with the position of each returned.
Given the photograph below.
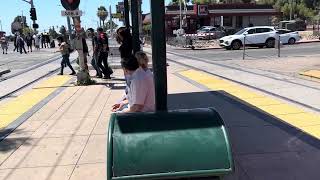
(177, 2)
(53, 33)
(102, 14)
(300, 10)
(63, 30)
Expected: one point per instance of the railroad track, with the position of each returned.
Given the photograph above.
(185, 64)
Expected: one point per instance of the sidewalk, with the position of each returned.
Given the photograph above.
(66, 138)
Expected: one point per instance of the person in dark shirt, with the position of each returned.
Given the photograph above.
(29, 40)
(125, 39)
(102, 50)
(94, 61)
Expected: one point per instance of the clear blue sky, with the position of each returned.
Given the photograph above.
(49, 12)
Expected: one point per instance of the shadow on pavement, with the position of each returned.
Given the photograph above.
(11, 143)
(259, 141)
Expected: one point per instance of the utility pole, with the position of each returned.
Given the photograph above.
(135, 26)
(180, 2)
(111, 22)
(126, 13)
(32, 7)
(140, 19)
(291, 6)
(69, 27)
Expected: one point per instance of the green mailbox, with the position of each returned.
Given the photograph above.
(168, 145)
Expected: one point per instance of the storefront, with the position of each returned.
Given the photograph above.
(236, 16)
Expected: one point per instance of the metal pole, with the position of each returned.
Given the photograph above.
(126, 13)
(135, 26)
(279, 45)
(33, 21)
(159, 61)
(111, 24)
(291, 4)
(69, 27)
(244, 48)
(180, 14)
(140, 19)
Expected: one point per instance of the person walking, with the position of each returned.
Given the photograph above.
(21, 44)
(15, 43)
(64, 50)
(4, 45)
(102, 49)
(29, 40)
(37, 40)
(43, 41)
(94, 61)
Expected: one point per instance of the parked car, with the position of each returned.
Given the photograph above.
(288, 37)
(258, 36)
(204, 27)
(210, 32)
(294, 25)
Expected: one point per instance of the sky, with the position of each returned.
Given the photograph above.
(49, 12)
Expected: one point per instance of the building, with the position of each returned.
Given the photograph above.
(234, 15)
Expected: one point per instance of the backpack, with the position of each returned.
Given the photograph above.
(69, 48)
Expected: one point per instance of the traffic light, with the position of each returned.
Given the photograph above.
(35, 26)
(70, 4)
(33, 14)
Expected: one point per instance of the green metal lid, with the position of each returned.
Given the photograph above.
(174, 144)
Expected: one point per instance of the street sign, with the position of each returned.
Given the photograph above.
(74, 13)
(117, 15)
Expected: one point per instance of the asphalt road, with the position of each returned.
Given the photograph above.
(298, 50)
(17, 62)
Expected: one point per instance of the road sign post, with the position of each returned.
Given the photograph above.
(71, 6)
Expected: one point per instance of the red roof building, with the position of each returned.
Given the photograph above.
(236, 16)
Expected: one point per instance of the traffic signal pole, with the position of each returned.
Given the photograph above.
(135, 26)
(126, 13)
(35, 16)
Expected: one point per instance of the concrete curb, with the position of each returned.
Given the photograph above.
(198, 48)
(306, 42)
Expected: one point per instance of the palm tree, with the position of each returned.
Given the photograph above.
(102, 14)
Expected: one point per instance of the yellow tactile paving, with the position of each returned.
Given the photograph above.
(12, 110)
(301, 119)
(264, 101)
(311, 73)
(297, 117)
(281, 109)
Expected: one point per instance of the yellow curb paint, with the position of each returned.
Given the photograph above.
(294, 116)
(311, 73)
(12, 110)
